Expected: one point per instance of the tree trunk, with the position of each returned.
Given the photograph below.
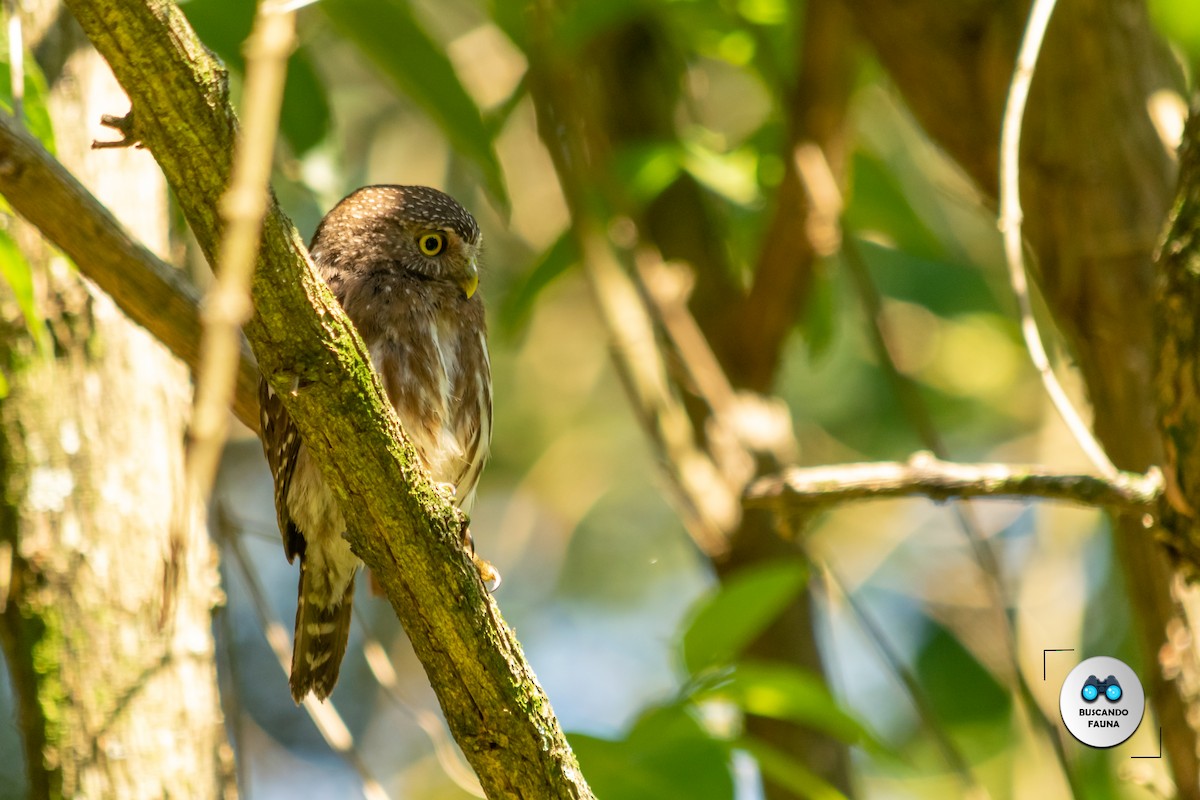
(114, 700)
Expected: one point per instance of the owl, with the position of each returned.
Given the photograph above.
(403, 263)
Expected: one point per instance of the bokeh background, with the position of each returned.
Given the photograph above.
(601, 581)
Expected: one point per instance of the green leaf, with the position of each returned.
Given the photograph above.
(959, 688)
(223, 25)
(732, 175)
(390, 36)
(36, 115)
(667, 755)
(787, 772)
(879, 204)
(1178, 20)
(724, 623)
(645, 170)
(496, 118)
(784, 692)
(821, 314)
(18, 274)
(945, 288)
(518, 303)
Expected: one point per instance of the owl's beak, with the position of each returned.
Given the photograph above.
(470, 280)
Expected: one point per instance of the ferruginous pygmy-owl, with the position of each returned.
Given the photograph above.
(402, 261)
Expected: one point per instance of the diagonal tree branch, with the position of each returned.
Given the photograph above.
(153, 293)
(407, 533)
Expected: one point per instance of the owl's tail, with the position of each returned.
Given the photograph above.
(321, 635)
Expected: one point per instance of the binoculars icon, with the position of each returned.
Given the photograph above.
(1094, 687)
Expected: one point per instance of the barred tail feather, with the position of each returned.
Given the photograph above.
(320, 645)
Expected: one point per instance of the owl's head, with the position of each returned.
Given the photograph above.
(421, 230)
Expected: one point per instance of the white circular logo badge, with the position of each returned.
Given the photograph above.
(1102, 702)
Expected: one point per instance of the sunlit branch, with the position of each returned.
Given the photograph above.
(927, 476)
(227, 303)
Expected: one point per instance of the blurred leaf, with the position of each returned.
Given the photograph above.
(789, 773)
(958, 686)
(821, 315)
(223, 25)
(645, 170)
(725, 622)
(1178, 21)
(518, 303)
(732, 175)
(36, 115)
(510, 17)
(764, 12)
(667, 755)
(785, 692)
(878, 204)
(496, 118)
(390, 36)
(946, 289)
(18, 274)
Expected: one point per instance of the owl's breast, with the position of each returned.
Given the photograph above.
(427, 343)
(434, 369)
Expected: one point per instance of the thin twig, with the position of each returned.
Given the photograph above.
(227, 305)
(324, 716)
(229, 694)
(920, 700)
(1010, 226)
(710, 506)
(927, 476)
(744, 426)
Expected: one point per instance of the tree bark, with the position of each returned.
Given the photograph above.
(114, 701)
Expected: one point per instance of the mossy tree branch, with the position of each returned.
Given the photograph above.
(407, 534)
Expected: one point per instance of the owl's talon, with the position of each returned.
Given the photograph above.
(446, 490)
(487, 573)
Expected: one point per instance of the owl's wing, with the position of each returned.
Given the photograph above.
(281, 442)
(476, 417)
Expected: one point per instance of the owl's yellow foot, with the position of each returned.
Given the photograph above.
(487, 573)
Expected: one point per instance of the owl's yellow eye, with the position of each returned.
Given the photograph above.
(431, 243)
